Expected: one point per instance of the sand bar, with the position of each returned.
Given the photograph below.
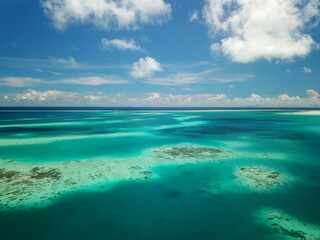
(316, 112)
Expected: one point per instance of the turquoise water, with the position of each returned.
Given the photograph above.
(177, 204)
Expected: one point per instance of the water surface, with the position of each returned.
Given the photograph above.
(199, 200)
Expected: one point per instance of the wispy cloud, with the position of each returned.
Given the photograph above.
(44, 71)
(188, 78)
(68, 62)
(231, 78)
(120, 44)
(20, 81)
(194, 16)
(306, 70)
(54, 63)
(178, 79)
(89, 81)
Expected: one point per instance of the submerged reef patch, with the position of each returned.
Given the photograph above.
(189, 152)
(287, 226)
(35, 185)
(260, 178)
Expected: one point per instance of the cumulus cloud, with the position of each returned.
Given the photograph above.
(32, 95)
(106, 14)
(120, 44)
(306, 70)
(216, 97)
(312, 94)
(152, 97)
(254, 96)
(145, 68)
(285, 97)
(157, 99)
(259, 29)
(59, 98)
(20, 81)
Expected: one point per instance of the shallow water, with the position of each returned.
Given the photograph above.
(201, 200)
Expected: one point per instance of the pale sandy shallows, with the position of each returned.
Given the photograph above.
(260, 178)
(303, 113)
(28, 185)
(286, 226)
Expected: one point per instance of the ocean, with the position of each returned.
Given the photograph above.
(119, 174)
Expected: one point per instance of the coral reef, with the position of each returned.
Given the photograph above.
(260, 178)
(287, 226)
(28, 185)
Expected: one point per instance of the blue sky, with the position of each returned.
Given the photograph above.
(160, 53)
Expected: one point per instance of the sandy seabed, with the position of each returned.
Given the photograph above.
(285, 225)
(260, 178)
(34, 185)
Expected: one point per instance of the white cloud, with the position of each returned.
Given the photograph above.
(91, 81)
(68, 62)
(157, 99)
(188, 89)
(145, 68)
(106, 14)
(254, 96)
(60, 98)
(152, 97)
(56, 64)
(231, 78)
(32, 97)
(306, 70)
(216, 97)
(52, 95)
(175, 80)
(260, 29)
(55, 73)
(312, 94)
(194, 16)
(187, 78)
(215, 48)
(20, 81)
(285, 97)
(120, 44)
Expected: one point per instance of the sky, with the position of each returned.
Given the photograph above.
(160, 53)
